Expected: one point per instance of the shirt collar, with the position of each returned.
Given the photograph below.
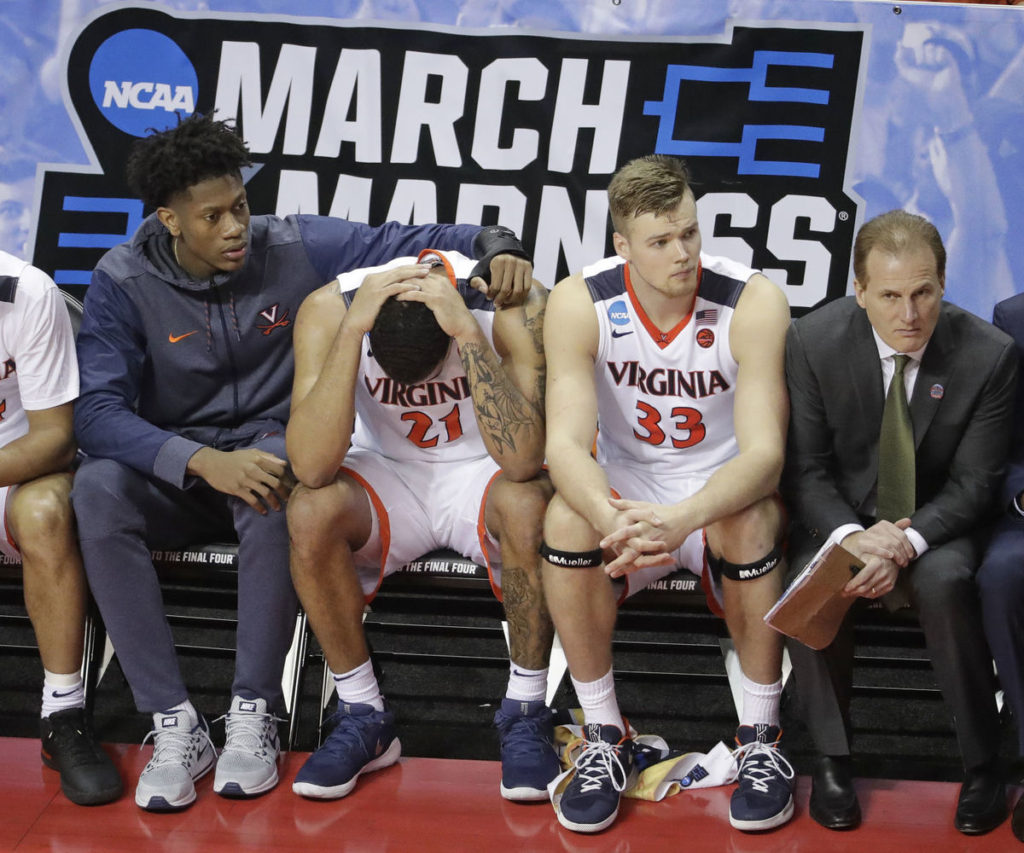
(885, 351)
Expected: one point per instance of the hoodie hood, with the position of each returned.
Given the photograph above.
(153, 248)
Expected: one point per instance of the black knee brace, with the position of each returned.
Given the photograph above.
(571, 559)
(720, 567)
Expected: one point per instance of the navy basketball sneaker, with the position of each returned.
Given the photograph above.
(363, 740)
(604, 769)
(764, 797)
(528, 758)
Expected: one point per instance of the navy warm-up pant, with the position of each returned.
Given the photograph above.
(122, 514)
(1001, 582)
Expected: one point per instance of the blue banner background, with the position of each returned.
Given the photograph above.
(937, 129)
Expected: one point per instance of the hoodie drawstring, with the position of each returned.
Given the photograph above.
(209, 328)
(234, 317)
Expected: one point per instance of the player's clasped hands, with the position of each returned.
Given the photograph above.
(641, 538)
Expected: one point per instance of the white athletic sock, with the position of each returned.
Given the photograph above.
(760, 702)
(526, 685)
(597, 699)
(61, 692)
(359, 686)
(186, 706)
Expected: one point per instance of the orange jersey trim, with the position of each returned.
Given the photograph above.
(383, 524)
(481, 534)
(447, 266)
(662, 339)
(7, 529)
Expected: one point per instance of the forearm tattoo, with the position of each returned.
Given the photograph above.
(534, 323)
(502, 411)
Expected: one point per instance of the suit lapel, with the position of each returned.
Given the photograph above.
(865, 370)
(932, 378)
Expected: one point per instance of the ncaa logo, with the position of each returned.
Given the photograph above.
(141, 79)
(618, 314)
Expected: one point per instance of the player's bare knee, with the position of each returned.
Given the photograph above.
(566, 529)
(41, 515)
(519, 510)
(748, 535)
(317, 513)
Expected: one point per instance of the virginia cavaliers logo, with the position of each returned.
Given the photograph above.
(273, 322)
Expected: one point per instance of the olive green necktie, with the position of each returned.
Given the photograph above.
(896, 490)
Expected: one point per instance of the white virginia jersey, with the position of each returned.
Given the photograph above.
(665, 400)
(38, 368)
(432, 421)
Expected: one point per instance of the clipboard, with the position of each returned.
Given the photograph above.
(813, 607)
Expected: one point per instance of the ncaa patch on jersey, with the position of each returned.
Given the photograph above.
(618, 313)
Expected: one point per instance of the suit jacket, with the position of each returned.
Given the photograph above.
(961, 410)
(1009, 316)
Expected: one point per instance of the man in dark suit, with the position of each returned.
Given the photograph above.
(1001, 576)
(958, 374)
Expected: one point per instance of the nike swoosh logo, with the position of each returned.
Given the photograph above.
(175, 338)
(618, 334)
(57, 695)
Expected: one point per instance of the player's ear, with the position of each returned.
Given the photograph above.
(170, 220)
(621, 245)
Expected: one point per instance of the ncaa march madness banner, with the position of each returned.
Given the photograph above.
(799, 118)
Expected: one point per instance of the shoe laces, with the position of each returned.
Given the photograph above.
(598, 762)
(758, 763)
(247, 731)
(171, 746)
(71, 740)
(350, 731)
(523, 735)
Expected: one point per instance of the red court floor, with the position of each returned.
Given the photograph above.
(440, 805)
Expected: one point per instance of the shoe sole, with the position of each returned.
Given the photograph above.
(156, 803)
(93, 798)
(765, 823)
(588, 827)
(336, 792)
(524, 794)
(235, 790)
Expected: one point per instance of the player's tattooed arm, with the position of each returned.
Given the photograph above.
(502, 411)
(508, 385)
(533, 322)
